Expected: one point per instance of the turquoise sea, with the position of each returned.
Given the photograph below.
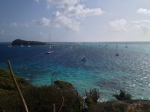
(103, 70)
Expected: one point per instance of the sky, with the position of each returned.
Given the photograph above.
(75, 20)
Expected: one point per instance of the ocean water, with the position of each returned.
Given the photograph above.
(103, 70)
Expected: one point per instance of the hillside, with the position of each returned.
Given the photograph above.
(61, 94)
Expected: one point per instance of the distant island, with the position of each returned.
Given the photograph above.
(24, 42)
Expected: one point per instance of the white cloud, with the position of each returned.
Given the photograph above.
(141, 21)
(73, 8)
(42, 35)
(37, 1)
(58, 2)
(67, 10)
(80, 10)
(142, 26)
(2, 32)
(14, 24)
(26, 25)
(117, 25)
(19, 24)
(61, 20)
(143, 11)
(143, 29)
(62, 1)
(43, 22)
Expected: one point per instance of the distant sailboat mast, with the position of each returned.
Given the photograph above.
(126, 45)
(50, 51)
(21, 44)
(28, 44)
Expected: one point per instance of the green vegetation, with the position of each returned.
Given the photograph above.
(122, 96)
(38, 99)
(92, 97)
(63, 96)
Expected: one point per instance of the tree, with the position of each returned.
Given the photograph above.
(122, 96)
(92, 97)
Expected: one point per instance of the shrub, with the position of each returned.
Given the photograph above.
(122, 96)
(92, 97)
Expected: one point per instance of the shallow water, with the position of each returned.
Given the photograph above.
(103, 70)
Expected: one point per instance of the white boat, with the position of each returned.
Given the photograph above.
(50, 51)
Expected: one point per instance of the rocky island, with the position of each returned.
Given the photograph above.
(24, 42)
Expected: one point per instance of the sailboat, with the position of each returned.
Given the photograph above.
(126, 46)
(84, 58)
(21, 44)
(50, 51)
(106, 46)
(28, 44)
(117, 54)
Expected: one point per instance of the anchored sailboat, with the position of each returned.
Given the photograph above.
(117, 54)
(50, 51)
(126, 46)
(28, 44)
(21, 44)
(84, 58)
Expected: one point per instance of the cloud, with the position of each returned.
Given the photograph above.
(43, 22)
(68, 12)
(19, 24)
(61, 20)
(73, 8)
(42, 35)
(58, 2)
(117, 25)
(141, 21)
(26, 25)
(80, 10)
(143, 29)
(14, 24)
(143, 11)
(2, 32)
(62, 1)
(37, 1)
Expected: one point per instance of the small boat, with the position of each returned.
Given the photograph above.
(49, 52)
(84, 58)
(117, 54)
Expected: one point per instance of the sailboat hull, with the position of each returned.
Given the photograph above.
(50, 52)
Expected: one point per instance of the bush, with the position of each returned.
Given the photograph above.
(122, 96)
(92, 97)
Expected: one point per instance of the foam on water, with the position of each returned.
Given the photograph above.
(103, 70)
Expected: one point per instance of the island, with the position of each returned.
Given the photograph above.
(24, 42)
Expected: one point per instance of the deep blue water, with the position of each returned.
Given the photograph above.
(104, 71)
